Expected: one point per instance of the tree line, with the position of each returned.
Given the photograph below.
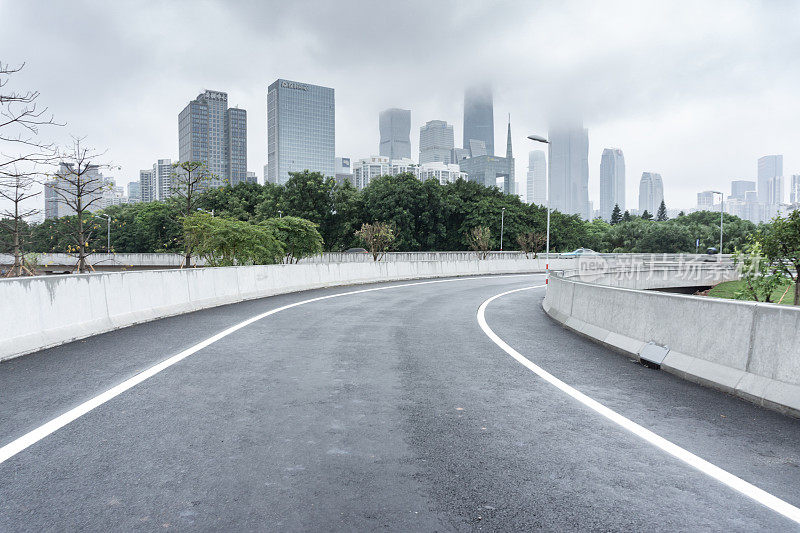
(423, 216)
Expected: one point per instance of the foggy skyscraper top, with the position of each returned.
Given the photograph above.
(479, 116)
(395, 129)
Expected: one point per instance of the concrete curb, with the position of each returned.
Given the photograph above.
(779, 354)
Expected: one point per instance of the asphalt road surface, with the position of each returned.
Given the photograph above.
(388, 409)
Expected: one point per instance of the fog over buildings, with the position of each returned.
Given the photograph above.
(730, 68)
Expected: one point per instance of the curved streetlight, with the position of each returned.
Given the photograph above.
(540, 139)
(108, 230)
(721, 211)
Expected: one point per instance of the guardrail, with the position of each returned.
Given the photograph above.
(60, 263)
(748, 349)
(43, 311)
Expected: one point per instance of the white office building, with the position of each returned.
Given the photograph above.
(442, 172)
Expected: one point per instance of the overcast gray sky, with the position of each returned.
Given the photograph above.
(694, 90)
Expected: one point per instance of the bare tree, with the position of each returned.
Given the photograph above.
(480, 240)
(78, 186)
(20, 120)
(188, 180)
(531, 242)
(378, 237)
(16, 188)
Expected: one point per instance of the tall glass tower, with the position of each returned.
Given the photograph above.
(612, 182)
(569, 170)
(479, 117)
(395, 126)
(651, 193)
(301, 130)
(535, 190)
(210, 132)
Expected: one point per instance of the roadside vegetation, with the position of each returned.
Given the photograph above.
(424, 216)
(783, 294)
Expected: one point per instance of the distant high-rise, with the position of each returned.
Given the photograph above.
(740, 187)
(435, 142)
(705, 201)
(344, 170)
(536, 186)
(569, 170)
(395, 128)
(134, 192)
(612, 182)
(770, 179)
(162, 178)
(147, 186)
(651, 193)
(488, 170)
(210, 132)
(794, 190)
(479, 117)
(301, 129)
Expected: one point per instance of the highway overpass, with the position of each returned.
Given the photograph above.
(446, 404)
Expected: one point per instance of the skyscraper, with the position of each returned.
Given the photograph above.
(301, 129)
(210, 132)
(479, 117)
(770, 179)
(536, 186)
(435, 142)
(162, 178)
(395, 128)
(569, 170)
(612, 182)
(236, 140)
(147, 186)
(794, 190)
(134, 192)
(651, 193)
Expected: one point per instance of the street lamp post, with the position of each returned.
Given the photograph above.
(502, 226)
(721, 212)
(540, 139)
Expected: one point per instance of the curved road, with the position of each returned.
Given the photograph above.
(384, 409)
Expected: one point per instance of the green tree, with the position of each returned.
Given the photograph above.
(299, 237)
(415, 209)
(188, 180)
(626, 217)
(226, 242)
(646, 215)
(616, 215)
(661, 216)
(781, 244)
(378, 237)
(760, 281)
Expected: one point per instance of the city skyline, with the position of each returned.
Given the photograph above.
(689, 112)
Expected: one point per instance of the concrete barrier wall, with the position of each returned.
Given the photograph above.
(44, 311)
(748, 349)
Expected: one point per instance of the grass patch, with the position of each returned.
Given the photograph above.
(728, 289)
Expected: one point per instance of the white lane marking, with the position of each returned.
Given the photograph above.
(34, 436)
(751, 491)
